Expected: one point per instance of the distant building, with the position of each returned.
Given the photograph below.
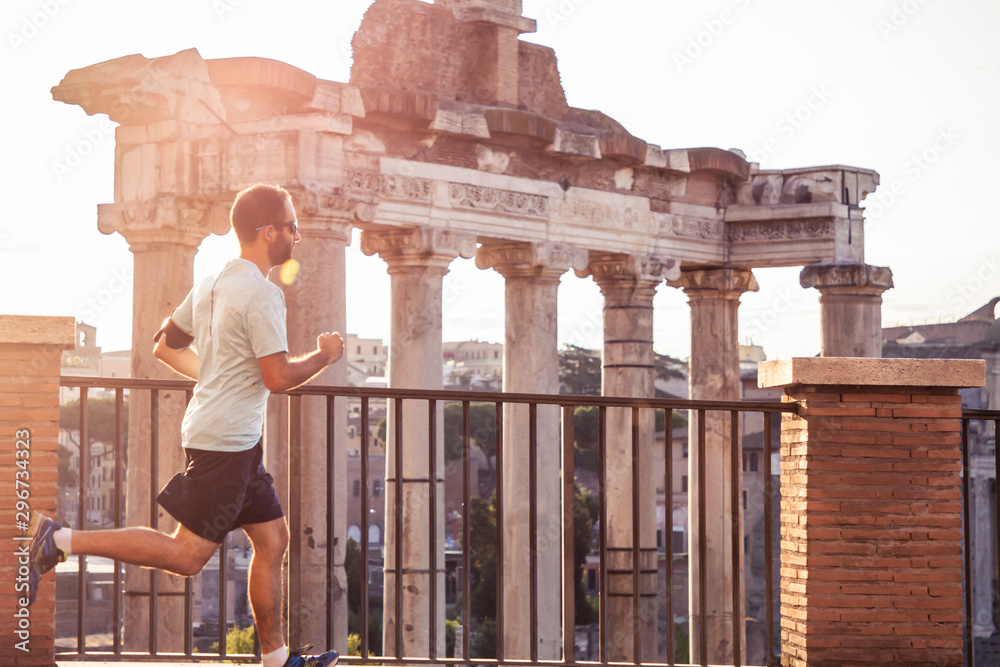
(473, 364)
(975, 336)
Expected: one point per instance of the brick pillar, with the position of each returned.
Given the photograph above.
(30, 356)
(871, 512)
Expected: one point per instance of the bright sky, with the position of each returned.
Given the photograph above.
(910, 88)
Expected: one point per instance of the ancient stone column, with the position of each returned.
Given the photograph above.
(714, 297)
(531, 365)
(163, 235)
(418, 260)
(850, 307)
(314, 283)
(628, 284)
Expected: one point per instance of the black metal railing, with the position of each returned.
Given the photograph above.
(638, 409)
(977, 427)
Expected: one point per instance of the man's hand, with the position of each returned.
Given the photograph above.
(281, 373)
(330, 344)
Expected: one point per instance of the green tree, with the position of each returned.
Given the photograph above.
(355, 568)
(100, 418)
(482, 430)
(586, 511)
(579, 371)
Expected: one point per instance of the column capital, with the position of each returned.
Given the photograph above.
(726, 281)
(324, 212)
(612, 267)
(531, 260)
(418, 246)
(167, 219)
(847, 278)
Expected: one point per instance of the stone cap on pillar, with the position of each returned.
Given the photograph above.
(871, 372)
(38, 330)
(846, 274)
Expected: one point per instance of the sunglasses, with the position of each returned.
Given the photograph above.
(293, 225)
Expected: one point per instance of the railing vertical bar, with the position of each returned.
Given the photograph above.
(996, 497)
(636, 544)
(188, 589)
(970, 650)
(154, 476)
(331, 525)
(500, 551)
(294, 581)
(735, 497)
(364, 527)
(432, 478)
(223, 608)
(116, 612)
(602, 533)
(533, 527)
(702, 547)
(398, 473)
(668, 526)
(466, 535)
(768, 549)
(81, 572)
(569, 557)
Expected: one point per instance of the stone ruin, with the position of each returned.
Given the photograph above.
(453, 138)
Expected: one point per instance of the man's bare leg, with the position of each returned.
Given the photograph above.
(270, 540)
(182, 553)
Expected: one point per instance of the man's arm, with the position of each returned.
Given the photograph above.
(281, 373)
(184, 360)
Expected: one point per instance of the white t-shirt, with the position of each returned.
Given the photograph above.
(236, 316)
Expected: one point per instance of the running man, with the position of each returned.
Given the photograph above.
(229, 335)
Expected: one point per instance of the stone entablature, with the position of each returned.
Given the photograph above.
(202, 130)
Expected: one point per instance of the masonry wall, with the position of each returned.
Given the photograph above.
(872, 526)
(30, 355)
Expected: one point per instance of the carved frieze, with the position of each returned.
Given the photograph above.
(393, 186)
(495, 200)
(741, 232)
(599, 215)
(705, 230)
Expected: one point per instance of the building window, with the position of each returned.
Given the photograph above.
(496, 354)
(377, 488)
(354, 533)
(684, 483)
(357, 488)
(374, 534)
(359, 349)
(753, 462)
(685, 449)
(678, 545)
(744, 500)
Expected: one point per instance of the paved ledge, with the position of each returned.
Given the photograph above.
(872, 372)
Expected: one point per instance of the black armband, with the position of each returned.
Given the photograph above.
(177, 338)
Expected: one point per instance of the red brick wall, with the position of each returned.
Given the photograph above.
(871, 527)
(29, 398)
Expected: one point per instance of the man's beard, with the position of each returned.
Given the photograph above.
(279, 253)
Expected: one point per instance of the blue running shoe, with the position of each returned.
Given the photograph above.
(296, 659)
(43, 552)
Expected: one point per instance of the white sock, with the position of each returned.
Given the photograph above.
(64, 540)
(275, 658)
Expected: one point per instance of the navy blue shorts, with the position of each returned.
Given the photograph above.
(221, 491)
